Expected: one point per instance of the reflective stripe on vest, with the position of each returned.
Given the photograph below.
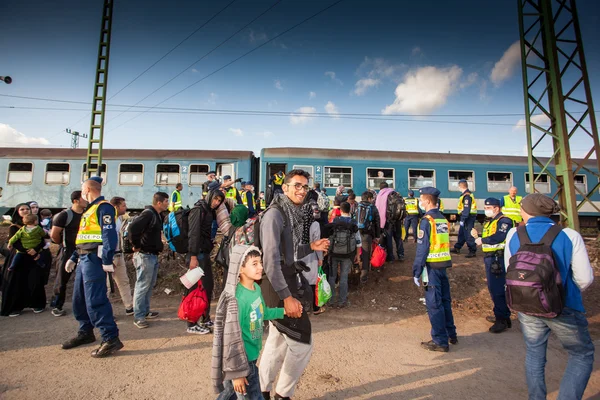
(489, 228)
(174, 206)
(279, 180)
(461, 204)
(411, 206)
(231, 193)
(440, 205)
(439, 241)
(244, 198)
(90, 231)
(512, 209)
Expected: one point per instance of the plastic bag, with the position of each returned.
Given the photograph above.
(322, 289)
(378, 257)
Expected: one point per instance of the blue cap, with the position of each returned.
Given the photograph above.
(96, 179)
(244, 183)
(492, 201)
(411, 193)
(211, 172)
(462, 181)
(227, 177)
(248, 183)
(429, 190)
(214, 185)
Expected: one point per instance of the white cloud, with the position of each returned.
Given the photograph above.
(265, 134)
(332, 109)
(538, 119)
(300, 117)
(331, 74)
(194, 70)
(416, 51)
(363, 85)
(236, 131)
(255, 37)
(424, 90)
(212, 98)
(505, 67)
(312, 95)
(10, 137)
(471, 79)
(278, 84)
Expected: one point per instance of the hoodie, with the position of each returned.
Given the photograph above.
(381, 204)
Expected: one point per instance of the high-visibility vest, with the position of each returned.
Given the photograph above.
(262, 203)
(440, 205)
(412, 207)
(279, 179)
(512, 208)
(232, 193)
(489, 228)
(90, 230)
(461, 206)
(175, 205)
(244, 198)
(439, 242)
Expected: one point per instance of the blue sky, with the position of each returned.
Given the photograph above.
(391, 58)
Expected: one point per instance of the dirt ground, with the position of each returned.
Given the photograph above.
(368, 351)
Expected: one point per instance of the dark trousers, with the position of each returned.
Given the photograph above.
(389, 241)
(411, 222)
(464, 235)
(439, 306)
(367, 249)
(208, 282)
(315, 306)
(62, 277)
(90, 304)
(398, 239)
(496, 287)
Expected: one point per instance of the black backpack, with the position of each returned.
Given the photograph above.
(127, 246)
(533, 283)
(343, 238)
(395, 208)
(364, 216)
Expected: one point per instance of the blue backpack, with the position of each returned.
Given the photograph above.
(364, 216)
(175, 229)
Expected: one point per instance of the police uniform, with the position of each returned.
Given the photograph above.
(512, 207)
(96, 244)
(207, 183)
(493, 242)
(277, 181)
(433, 256)
(440, 205)
(175, 203)
(232, 192)
(412, 217)
(467, 211)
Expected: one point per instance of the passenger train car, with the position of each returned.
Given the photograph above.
(50, 175)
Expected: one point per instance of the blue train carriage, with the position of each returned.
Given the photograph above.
(487, 176)
(49, 175)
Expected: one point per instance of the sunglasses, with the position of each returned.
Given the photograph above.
(299, 186)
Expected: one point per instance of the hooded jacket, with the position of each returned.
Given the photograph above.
(200, 222)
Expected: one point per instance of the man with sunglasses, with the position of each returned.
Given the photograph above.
(289, 345)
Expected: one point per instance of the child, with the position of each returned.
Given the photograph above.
(232, 363)
(29, 237)
(335, 211)
(46, 220)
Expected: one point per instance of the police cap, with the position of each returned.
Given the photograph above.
(214, 185)
(492, 201)
(96, 179)
(462, 181)
(411, 193)
(211, 173)
(227, 177)
(429, 190)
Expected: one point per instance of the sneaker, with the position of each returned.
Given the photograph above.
(321, 310)
(38, 310)
(471, 255)
(107, 348)
(209, 324)
(499, 326)
(81, 339)
(433, 346)
(14, 314)
(129, 311)
(141, 323)
(152, 314)
(266, 395)
(455, 250)
(453, 340)
(198, 330)
(58, 312)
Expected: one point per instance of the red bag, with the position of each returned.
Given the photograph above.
(378, 257)
(194, 305)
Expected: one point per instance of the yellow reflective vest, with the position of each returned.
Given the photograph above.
(512, 208)
(439, 242)
(461, 206)
(278, 180)
(489, 228)
(90, 229)
(412, 206)
(440, 205)
(232, 193)
(175, 205)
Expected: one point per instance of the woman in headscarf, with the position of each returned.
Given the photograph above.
(34, 207)
(340, 195)
(22, 286)
(46, 255)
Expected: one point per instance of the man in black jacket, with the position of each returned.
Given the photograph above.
(200, 222)
(145, 235)
(370, 232)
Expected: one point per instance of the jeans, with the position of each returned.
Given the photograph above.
(571, 328)
(146, 267)
(464, 235)
(411, 222)
(439, 306)
(345, 266)
(252, 388)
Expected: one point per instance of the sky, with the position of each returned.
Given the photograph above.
(431, 75)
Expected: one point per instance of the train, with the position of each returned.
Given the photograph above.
(49, 175)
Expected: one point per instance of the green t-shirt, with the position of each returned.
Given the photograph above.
(252, 313)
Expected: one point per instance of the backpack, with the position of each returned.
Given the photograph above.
(193, 306)
(69, 220)
(127, 246)
(176, 228)
(395, 208)
(323, 202)
(533, 283)
(343, 238)
(364, 216)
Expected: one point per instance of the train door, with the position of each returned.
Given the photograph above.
(272, 169)
(225, 169)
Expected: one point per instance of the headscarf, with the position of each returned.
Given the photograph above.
(239, 215)
(29, 203)
(16, 218)
(340, 190)
(537, 204)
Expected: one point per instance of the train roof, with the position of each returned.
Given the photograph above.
(384, 155)
(150, 154)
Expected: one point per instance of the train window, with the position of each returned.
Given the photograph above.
(20, 172)
(308, 168)
(198, 174)
(455, 176)
(581, 183)
(499, 181)
(94, 166)
(542, 184)
(131, 174)
(375, 176)
(58, 173)
(336, 176)
(167, 174)
(418, 178)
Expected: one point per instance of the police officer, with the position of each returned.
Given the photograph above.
(467, 212)
(440, 205)
(511, 205)
(248, 198)
(231, 191)
(495, 229)
(175, 203)
(277, 180)
(210, 177)
(412, 209)
(96, 243)
(431, 261)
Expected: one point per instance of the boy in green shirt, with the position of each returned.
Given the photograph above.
(252, 312)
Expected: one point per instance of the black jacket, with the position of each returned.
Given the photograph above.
(145, 231)
(200, 222)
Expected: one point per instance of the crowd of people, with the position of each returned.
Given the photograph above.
(273, 273)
